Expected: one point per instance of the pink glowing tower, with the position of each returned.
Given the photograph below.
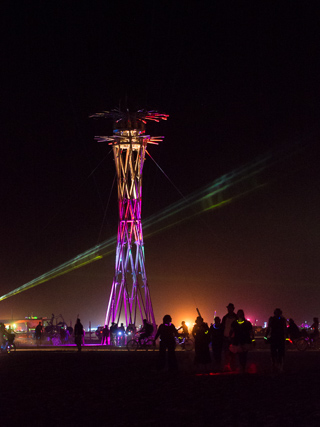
(130, 286)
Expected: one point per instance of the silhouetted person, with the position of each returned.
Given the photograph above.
(277, 329)
(293, 330)
(38, 333)
(67, 337)
(201, 336)
(3, 335)
(228, 357)
(105, 335)
(146, 330)
(113, 333)
(314, 329)
(183, 330)
(216, 337)
(131, 330)
(63, 335)
(78, 334)
(70, 330)
(121, 334)
(167, 333)
(241, 335)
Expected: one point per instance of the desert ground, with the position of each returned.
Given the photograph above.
(103, 387)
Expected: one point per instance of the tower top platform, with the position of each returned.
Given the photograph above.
(130, 120)
(129, 127)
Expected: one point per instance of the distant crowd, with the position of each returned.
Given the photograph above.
(230, 339)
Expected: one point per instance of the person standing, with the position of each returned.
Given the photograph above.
(113, 333)
(241, 335)
(314, 329)
(78, 334)
(277, 329)
(105, 335)
(227, 320)
(167, 333)
(63, 334)
(38, 333)
(216, 337)
(130, 331)
(121, 334)
(201, 336)
(3, 335)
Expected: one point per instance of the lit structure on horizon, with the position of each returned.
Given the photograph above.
(130, 286)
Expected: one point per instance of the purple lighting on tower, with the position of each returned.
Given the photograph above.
(130, 289)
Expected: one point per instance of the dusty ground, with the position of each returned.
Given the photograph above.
(118, 388)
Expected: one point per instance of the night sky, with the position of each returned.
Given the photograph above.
(240, 82)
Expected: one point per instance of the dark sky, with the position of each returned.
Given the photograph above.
(239, 81)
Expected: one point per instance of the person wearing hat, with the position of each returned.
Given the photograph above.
(227, 320)
(201, 336)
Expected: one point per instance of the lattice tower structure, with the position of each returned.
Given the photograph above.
(130, 291)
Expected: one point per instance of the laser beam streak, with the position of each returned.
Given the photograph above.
(222, 191)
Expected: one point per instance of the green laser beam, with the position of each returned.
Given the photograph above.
(222, 191)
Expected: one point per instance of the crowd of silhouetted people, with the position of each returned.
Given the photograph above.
(230, 339)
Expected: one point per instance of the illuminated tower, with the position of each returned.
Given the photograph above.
(130, 286)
